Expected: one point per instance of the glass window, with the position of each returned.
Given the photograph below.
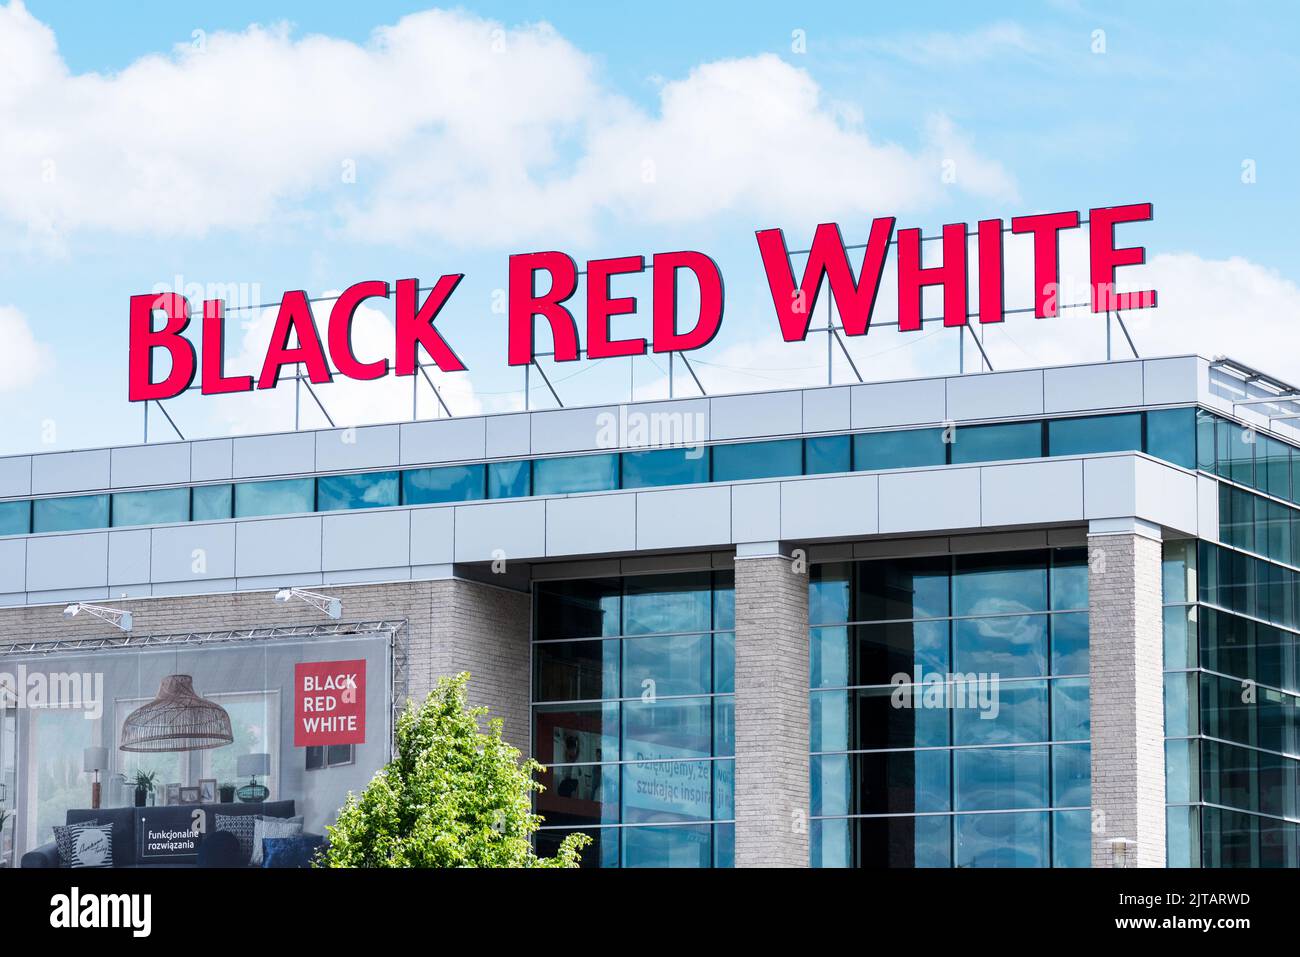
(15, 518)
(283, 497)
(667, 665)
(362, 490)
(1005, 712)
(1002, 840)
(450, 483)
(1072, 839)
(211, 502)
(1171, 435)
(1273, 467)
(1070, 579)
(667, 728)
(601, 852)
(724, 662)
(576, 473)
(911, 588)
(756, 460)
(992, 443)
(1070, 644)
(997, 779)
(1071, 775)
(575, 670)
(897, 717)
(682, 846)
(829, 714)
(666, 467)
(828, 593)
(1095, 433)
(667, 792)
(1000, 584)
(153, 507)
(826, 454)
(830, 784)
(881, 652)
(1070, 709)
(655, 604)
(510, 479)
(724, 726)
(575, 733)
(590, 608)
(904, 842)
(69, 514)
(913, 448)
(830, 843)
(724, 601)
(902, 782)
(578, 794)
(828, 658)
(1014, 646)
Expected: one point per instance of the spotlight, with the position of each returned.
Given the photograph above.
(114, 616)
(332, 607)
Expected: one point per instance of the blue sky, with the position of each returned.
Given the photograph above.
(214, 157)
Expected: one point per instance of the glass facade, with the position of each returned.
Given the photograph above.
(1169, 434)
(633, 684)
(949, 710)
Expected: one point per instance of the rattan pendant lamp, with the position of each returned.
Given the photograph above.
(177, 720)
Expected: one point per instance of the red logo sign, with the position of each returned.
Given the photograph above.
(329, 703)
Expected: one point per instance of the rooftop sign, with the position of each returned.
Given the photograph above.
(854, 294)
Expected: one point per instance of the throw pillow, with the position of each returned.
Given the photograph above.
(240, 825)
(273, 827)
(63, 840)
(290, 851)
(92, 845)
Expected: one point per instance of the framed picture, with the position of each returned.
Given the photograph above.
(208, 790)
(189, 795)
(173, 794)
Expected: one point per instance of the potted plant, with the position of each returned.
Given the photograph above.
(143, 785)
(227, 792)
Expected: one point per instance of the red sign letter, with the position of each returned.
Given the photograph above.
(1105, 257)
(1047, 256)
(340, 331)
(294, 316)
(912, 277)
(666, 336)
(214, 353)
(990, 268)
(143, 340)
(525, 304)
(853, 301)
(416, 325)
(600, 307)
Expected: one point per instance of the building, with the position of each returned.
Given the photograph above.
(1042, 618)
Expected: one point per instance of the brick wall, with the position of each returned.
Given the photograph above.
(1127, 697)
(772, 797)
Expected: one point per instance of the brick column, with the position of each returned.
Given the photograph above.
(482, 629)
(1125, 651)
(772, 798)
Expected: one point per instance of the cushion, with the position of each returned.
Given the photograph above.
(291, 851)
(221, 849)
(63, 840)
(124, 821)
(264, 827)
(241, 826)
(92, 845)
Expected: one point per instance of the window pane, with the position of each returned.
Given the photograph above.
(577, 473)
(1072, 839)
(680, 846)
(669, 728)
(897, 718)
(666, 467)
(510, 479)
(724, 726)
(153, 507)
(1070, 709)
(579, 794)
(829, 657)
(1070, 644)
(754, 460)
(828, 593)
(829, 713)
(996, 779)
(912, 588)
(668, 792)
(575, 670)
(1071, 775)
(904, 842)
(1095, 433)
(283, 497)
(67, 514)
(656, 604)
(1016, 713)
(825, 454)
(666, 665)
(724, 601)
(1012, 647)
(1000, 584)
(452, 483)
(830, 785)
(724, 662)
(588, 608)
(211, 502)
(601, 852)
(1171, 435)
(913, 448)
(1070, 579)
(991, 443)
(830, 843)
(569, 733)
(15, 518)
(901, 782)
(917, 649)
(364, 490)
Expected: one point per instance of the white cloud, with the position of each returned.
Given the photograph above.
(457, 128)
(22, 359)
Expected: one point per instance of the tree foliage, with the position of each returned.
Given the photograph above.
(454, 796)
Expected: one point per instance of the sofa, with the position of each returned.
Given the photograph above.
(127, 850)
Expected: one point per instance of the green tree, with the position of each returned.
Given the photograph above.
(453, 797)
